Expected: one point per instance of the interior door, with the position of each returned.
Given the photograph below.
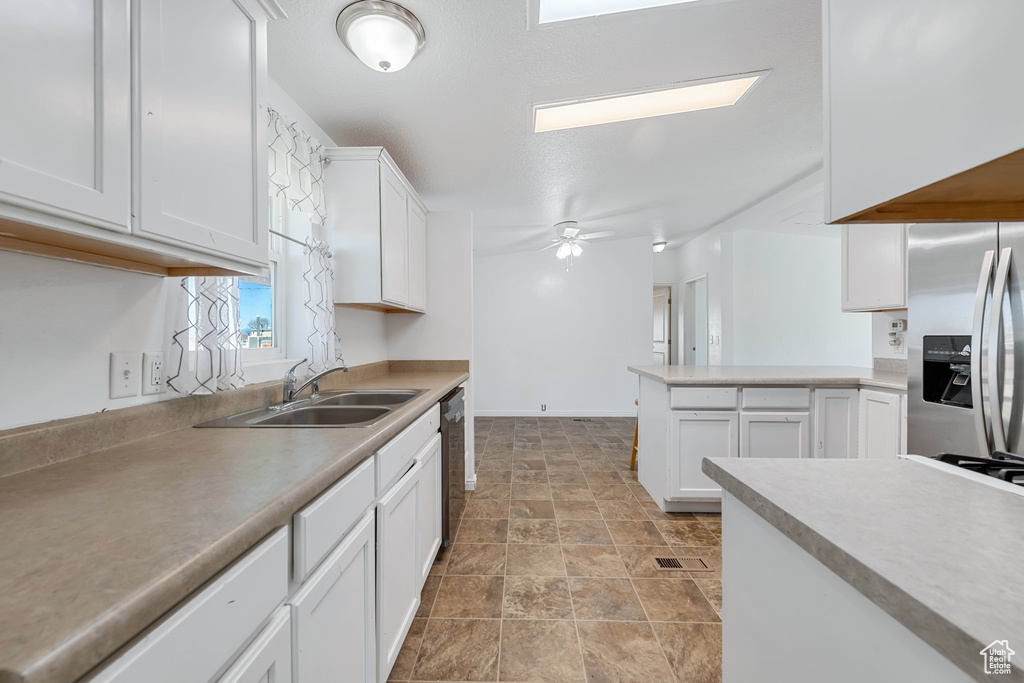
(662, 326)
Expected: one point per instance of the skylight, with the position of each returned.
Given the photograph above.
(694, 96)
(565, 10)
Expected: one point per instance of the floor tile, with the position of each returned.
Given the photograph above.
(535, 560)
(583, 532)
(536, 464)
(531, 492)
(612, 492)
(494, 477)
(564, 466)
(639, 561)
(576, 509)
(492, 491)
(477, 560)
(533, 531)
(459, 650)
(532, 509)
(537, 597)
(592, 560)
(635, 532)
(427, 595)
(530, 477)
(601, 466)
(543, 651)
(694, 651)
(485, 509)
(687, 532)
(567, 477)
(571, 492)
(402, 669)
(622, 510)
(469, 597)
(623, 652)
(605, 599)
(482, 531)
(712, 590)
(670, 600)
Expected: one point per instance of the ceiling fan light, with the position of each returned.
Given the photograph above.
(576, 249)
(383, 35)
(563, 250)
(660, 247)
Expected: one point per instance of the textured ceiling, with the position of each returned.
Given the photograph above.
(457, 120)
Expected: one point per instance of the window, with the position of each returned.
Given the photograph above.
(261, 310)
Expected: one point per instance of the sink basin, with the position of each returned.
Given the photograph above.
(324, 416)
(368, 398)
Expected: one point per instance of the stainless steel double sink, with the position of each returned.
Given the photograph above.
(329, 409)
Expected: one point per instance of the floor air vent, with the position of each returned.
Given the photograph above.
(582, 419)
(686, 564)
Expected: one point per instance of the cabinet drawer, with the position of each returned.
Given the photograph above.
(321, 524)
(199, 638)
(702, 398)
(394, 458)
(777, 398)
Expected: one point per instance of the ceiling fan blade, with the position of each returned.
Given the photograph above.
(596, 235)
(550, 246)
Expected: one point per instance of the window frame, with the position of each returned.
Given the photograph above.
(277, 268)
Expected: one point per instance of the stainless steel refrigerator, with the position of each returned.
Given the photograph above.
(965, 329)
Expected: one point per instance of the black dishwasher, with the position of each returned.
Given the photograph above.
(453, 456)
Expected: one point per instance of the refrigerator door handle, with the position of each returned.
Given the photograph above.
(995, 354)
(977, 396)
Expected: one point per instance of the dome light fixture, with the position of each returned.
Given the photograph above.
(383, 35)
(660, 247)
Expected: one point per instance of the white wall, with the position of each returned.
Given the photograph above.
(543, 335)
(445, 331)
(786, 302)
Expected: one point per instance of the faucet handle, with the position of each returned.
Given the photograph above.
(291, 371)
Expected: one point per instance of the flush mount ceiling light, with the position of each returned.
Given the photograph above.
(694, 96)
(383, 35)
(660, 247)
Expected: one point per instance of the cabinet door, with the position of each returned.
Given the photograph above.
(835, 423)
(269, 658)
(334, 613)
(695, 436)
(874, 267)
(398, 571)
(202, 175)
(775, 435)
(66, 134)
(879, 433)
(394, 239)
(417, 257)
(429, 519)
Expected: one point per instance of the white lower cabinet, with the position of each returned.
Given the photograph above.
(269, 658)
(775, 435)
(334, 613)
(398, 570)
(429, 518)
(696, 435)
(835, 423)
(881, 418)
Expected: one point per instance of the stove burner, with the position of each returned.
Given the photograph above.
(1005, 466)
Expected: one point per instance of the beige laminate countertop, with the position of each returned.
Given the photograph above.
(774, 375)
(939, 553)
(96, 548)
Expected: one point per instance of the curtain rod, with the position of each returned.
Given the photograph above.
(290, 239)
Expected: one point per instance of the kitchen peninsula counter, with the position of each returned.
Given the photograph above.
(936, 552)
(95, 548)
(771, 375)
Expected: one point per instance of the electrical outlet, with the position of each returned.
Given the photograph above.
(124, 373)
(152, 373)
(543, 407)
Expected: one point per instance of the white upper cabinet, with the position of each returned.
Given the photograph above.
(923, 110)
(874, 267)
(202, 120)
(377, 226)
(66, 135)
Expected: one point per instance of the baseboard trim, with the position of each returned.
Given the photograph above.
(552, 413)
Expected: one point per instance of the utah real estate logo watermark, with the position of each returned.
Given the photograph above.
(997, 657)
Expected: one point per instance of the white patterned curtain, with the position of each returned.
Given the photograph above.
(205, 354)
(318, 278)
(296, 168)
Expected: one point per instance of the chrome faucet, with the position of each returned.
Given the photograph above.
(290, 392)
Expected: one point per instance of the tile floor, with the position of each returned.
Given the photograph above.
(551, 577)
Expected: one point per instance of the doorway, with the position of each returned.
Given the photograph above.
(695, 321)
(662, 325)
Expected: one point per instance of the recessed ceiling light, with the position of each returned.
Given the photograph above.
(706, 94)
(551, 11)
(660, 247)
(383, 35)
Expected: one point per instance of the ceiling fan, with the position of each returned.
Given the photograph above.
(568, 241)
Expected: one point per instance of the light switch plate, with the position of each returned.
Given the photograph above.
(152, 373)
(124, 373)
